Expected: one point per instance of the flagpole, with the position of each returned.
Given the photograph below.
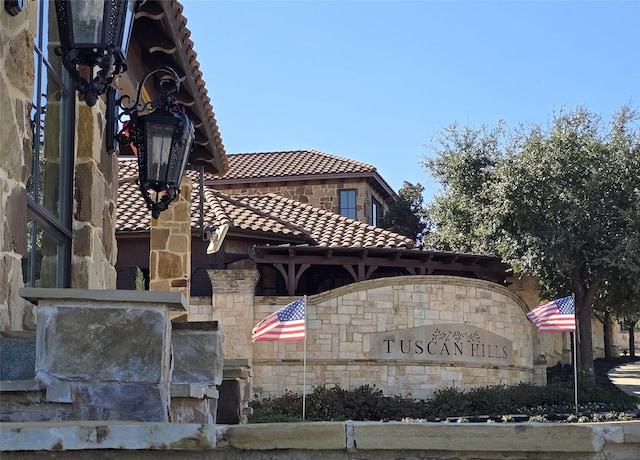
(575, 371)
(575, 355)
(304, 363)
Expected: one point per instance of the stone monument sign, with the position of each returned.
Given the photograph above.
(443, 343)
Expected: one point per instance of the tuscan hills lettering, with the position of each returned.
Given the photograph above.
(455, 343)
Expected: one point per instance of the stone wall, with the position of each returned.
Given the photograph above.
(342, 325)
(323, 195)
(16, 91)
(232, 306)
(95, 191)
(95, 198)
(170, 258)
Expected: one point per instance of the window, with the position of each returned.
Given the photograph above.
(348, 203)
(49, 189)
(376, 212)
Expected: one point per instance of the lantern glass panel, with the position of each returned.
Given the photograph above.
(187, 136)
(159, 137)
(87, 17)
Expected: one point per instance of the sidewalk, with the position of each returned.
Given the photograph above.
(627, 378)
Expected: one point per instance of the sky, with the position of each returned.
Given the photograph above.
(375, 81)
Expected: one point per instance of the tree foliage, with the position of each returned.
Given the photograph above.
(407, 215)
(562, 203)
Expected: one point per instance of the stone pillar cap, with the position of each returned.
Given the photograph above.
(173, 300)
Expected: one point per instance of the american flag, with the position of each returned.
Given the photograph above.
(555, 316)
(288, 323)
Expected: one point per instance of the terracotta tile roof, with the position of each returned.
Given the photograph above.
(325, 228)
(268, 215)
(224, 209)
(297, 165)
(293, 163)
(131, 213)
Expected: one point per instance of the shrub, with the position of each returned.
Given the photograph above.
(553, 402)
(448, 402)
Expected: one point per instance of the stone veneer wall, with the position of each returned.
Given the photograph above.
(16, 91)
(323, 195)
(95, 191)
(170, 258)
(232, 306)
(340, 324)
(95, 199)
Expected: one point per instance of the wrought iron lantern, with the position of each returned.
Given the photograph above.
(95, 34)
(161, 135)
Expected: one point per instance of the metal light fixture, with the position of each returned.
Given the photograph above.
(95, 34)
(161, 135)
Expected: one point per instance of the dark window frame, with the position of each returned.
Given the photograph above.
(46, 226)
(377, 212)
(348, 206)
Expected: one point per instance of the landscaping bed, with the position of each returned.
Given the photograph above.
(597, 402)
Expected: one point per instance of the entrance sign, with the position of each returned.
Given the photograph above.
(443, 343)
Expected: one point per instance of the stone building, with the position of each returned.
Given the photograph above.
(58, 192)
(364, 285)
(339, 185)
(57, 180)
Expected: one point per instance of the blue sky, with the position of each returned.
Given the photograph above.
(374, 81)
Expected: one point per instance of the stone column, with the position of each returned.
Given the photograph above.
(232, 300)
(94, 216)
(197, 371)
(170, 258)
(105, 355)
(527, 288)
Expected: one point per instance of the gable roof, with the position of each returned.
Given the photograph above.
(268, 216)
(296, 165)
(160, 37)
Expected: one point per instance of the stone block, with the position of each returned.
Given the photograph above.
(110, 348)
(169, 265)
(269, 436)
(89, 344)
(59, 392)
(121, 401)
(193, 410)
(197, 352)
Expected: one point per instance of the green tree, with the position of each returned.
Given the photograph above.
(620, 297)
(560, 203)
(407, 215)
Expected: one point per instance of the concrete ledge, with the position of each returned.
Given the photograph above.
(61, 436)
(629, 432)
(327, 440)
(269, 436)
(478, 437)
